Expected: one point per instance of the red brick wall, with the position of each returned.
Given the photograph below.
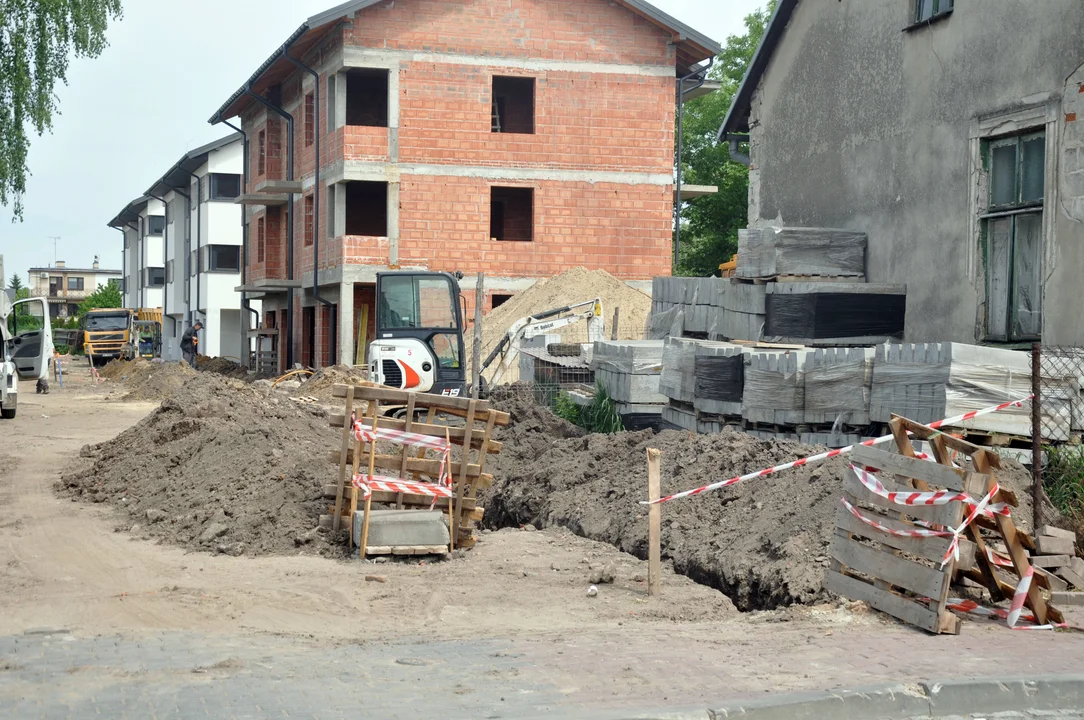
(625, 230)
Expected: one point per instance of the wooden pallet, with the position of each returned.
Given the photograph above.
(799, 278)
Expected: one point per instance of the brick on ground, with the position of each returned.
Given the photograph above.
(1067, 598)
(1072, 577)
(1051, 531)
(1050, 561)
(1055, 583)
(1049, 545)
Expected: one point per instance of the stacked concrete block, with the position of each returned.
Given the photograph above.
(743, 311)
(699, 300)
(678, 379)
(630, 370)
(928, 382)
(775, 387)
(774, 251)
(680, 416)
(831, 314)
(719, 370)
(527, 362)
(837, 387)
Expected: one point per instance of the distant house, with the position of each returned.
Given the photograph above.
(65, 288)
(951, 132)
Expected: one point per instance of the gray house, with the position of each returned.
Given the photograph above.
(948, 131)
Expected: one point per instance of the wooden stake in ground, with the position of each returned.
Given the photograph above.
(369, 495)
(617, 319)
(476, 352)
(654, 519)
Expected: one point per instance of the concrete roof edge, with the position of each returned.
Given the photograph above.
(737, 119)
(118, 221)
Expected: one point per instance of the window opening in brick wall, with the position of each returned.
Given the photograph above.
(309, 217)
(367, 209)
(261, 240)
(511, 214)
(220, 258)
(513, 105)
(499, 299)
(225, 186)
(308, 336)
(927, 9)
(367, 98)
(1013, 229)
(310, 119)
(261, 153)
(332, 231)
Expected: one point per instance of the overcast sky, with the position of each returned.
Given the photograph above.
(128, 115)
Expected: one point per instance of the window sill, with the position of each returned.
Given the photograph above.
(929, 21)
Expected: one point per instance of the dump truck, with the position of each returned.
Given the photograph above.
(109, 333)
(26, 347)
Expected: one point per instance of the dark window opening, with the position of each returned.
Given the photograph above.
(500, 299)
(367, 209)
(310, 119)
(926, 9)
(75, 283)
(367, 98)
(309, 218)
(511, 214)
(154, 277)
(308, 336)
(261, 153)
(261, 239)
(220, 258)
(156, 224)
(513, 105)
(225, 186)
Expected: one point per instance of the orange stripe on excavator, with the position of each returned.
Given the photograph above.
(411, 379)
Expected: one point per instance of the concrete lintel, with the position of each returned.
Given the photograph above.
(356, 57)
(362, 171)
(278, 187)
(691, 192)
(707, 88)
(262, 199)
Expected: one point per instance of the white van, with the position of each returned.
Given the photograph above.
(27, 339)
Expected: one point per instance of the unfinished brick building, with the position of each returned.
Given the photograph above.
(515, 137)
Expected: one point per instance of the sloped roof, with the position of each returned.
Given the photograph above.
(693, 47)
(179, 174)
(130, 212)
(737, 119)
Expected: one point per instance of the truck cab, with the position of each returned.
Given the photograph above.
(106, 333)
(27, 338)
(419, 333)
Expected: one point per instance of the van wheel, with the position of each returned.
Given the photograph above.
(8, 412)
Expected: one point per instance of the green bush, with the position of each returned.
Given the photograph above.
(1063, 479)
(598, 416)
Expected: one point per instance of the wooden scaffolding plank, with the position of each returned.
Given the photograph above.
(914, 577)
(898, 464)
(343, 460)
(432, 430)
(907, 610)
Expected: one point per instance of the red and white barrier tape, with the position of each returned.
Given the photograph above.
(830, 454)
(364, 433)
(915, 533)
(937, 497)
(390, 484)
(998, 559)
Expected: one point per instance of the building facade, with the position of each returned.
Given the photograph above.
(951, 132)
(519, 138)
(190, 260)
(65, 288)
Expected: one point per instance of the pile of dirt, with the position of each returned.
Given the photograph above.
(222, 366)
(221, 466)
(573, 286)
(764, 542)
(320, 384)
(148, 380)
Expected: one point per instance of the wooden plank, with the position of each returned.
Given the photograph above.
(929, 548)
(407, 550)
(898, 607)
(940, 514)
(461, 485)
(937, 475)
(418, 465)
(919, 579)
(654, 547)
(392, 396)
(343, 460)
(408, 423)
(487, 441)
(437, 431)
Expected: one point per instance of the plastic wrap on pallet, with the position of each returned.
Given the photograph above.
(634, 357)
(775, 387)
(837, 385)
(670, 323)
(772, 251)
(678, 379)
(825, 315)
(720, 378)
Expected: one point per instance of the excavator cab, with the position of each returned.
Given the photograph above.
(419, 334)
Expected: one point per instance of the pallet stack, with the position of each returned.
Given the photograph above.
(834, 314)
(678, 383)
(837, 388)
(787, 252)
(631, 371)
(463, 424)
(1055, 558)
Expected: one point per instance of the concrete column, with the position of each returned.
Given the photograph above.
(347, 339)
(393, 224)
(393, 112)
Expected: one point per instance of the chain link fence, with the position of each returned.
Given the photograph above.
(1057, 379)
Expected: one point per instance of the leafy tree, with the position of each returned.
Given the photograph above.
(16, 283)
(37, 40)
(709, 231)
(106, 296)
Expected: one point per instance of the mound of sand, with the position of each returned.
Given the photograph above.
(764, 542)
(220, 466)
(573, 286)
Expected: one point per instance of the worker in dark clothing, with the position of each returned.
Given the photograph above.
(190, 343)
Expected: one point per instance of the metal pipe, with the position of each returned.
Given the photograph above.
(1036, 437)
(246, 304)
(123, 262)
(289, 217)
(188, 255)
(316, 209)
(165, 244)
(735, 154)
(188, 240)
(702, 74)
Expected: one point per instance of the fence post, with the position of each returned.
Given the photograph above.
(1036, 438)
(476, 351)
(617, 320)
(654, 514)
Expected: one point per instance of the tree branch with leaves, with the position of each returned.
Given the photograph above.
(37, 40)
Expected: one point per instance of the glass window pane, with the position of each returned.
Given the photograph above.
(998, 256)
(397, 303)
(436, 302)
(1027, 277)
(923, 9)
(1003, 173)
(1033, 167)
